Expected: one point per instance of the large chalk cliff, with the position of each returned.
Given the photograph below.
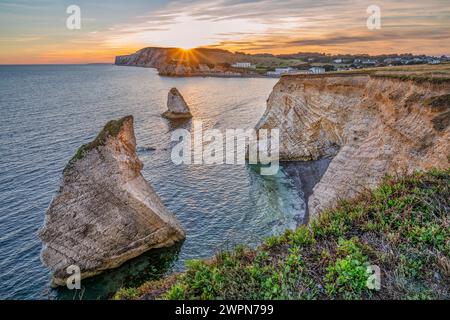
(370, 126)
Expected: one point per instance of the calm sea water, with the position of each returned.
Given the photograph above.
(47, 112)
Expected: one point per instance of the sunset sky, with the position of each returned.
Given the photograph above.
(34, 31)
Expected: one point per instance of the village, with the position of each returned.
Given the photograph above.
(321, 63)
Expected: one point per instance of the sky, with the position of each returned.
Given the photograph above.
(34, 31)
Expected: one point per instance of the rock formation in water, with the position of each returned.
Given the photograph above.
(104, 212)
(177, 107)
(370, 125)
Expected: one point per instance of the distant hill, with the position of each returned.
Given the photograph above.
(153, 56)
(201, 61)
(219, 62)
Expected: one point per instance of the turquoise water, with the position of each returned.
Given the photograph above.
(47, 112)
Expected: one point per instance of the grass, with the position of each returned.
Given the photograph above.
(437, 69)
(433, 74)
(415, 78)
(402, 227)
(424, 73)
(111, 129)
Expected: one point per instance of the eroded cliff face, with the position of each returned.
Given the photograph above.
(104, 212)
(371, 126)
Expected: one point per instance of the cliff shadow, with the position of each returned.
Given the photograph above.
(305, 175)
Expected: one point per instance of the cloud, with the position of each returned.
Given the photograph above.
(21, 39)
(259, 25)
(388, 35)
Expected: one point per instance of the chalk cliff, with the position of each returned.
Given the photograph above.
(104, 212)
(148, 57)
(176, 106)
(370, 125)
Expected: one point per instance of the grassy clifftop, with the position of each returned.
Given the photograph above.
(435, 74)
(402, 227)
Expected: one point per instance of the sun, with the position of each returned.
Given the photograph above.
(186, 49)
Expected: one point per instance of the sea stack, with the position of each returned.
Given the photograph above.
(104, 212)
(177, 108)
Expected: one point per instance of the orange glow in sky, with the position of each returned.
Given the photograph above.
(37, 33)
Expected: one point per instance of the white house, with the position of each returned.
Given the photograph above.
(338, 61)
(244, 65)
(316, 70)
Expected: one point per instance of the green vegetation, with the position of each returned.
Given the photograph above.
(403, 227)
(111, 129)
(437, 74)
(348, 275)
(420, 69)
(414, 77)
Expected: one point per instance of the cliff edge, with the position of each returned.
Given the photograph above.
(370, 125)
(104, 212)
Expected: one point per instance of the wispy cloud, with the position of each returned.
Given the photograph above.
(295, 24)
(20, 39)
